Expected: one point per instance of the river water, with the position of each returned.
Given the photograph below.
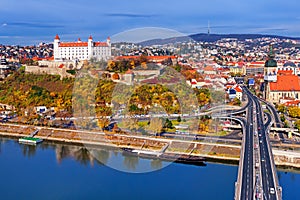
(58, 171)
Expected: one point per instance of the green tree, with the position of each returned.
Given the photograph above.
(168, 124)
(178, 119)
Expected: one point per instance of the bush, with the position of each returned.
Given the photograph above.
(71, 71)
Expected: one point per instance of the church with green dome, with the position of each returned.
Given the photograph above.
(278, 86)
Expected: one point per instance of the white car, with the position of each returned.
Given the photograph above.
(272, 191)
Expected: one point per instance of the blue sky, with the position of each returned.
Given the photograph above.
(33, 21)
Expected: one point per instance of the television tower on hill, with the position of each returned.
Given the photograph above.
(208, 28)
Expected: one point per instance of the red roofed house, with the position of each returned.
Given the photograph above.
(81, 50)
(239, 92)
(209, 70)
(292, 103)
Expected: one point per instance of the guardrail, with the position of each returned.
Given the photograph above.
(238, 185)
(274, 171)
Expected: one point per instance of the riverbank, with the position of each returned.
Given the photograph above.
(210, 151)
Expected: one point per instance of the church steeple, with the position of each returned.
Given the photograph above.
(271, 52)
(270, 61)
(270, 72)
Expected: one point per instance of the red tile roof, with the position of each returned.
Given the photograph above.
(100, 44)
(57, 37)
(292, 103)
(192, 71)
(193, 82)
(208, 68)
(50, 58)
(258, 63)
(82, 44)
(129, 72)
(238, 89)
(285, 72)
(73, 44)
(286, 83)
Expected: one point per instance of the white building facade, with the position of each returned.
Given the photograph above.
(81, 50)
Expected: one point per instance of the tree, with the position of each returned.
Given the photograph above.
(297, 124)
(294, 112)
(102, 123)
(168, 124)
(178, 119)
(282, 118)
(115, 76)
(236, 102)
(155, 126)
(131, 124)
(281, 108)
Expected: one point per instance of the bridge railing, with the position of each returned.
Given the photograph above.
(238, 185)
(274, 171)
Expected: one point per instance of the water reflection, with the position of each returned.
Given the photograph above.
(156, 164)
(102, 156)
(81, 154)
(89, 156)
(103, 182)
(131, 162)
(28, 150)
(2, 142)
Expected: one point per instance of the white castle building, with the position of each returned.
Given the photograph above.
(81, 50)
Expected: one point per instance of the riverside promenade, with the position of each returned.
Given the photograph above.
(211, 150)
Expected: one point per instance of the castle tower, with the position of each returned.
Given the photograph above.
(55, 47)
(90, 47)
(270, 72)
(108, 41)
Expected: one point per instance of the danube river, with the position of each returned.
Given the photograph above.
(57, 171)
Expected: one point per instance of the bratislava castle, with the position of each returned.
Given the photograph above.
(81, 50)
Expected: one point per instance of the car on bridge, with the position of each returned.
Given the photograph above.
(272, 190)
(258, 195)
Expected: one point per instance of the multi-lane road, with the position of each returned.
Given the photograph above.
(263, 173)
(247, 187)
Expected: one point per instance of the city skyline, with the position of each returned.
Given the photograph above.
(33, 21)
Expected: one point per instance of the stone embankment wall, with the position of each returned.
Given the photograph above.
(62, 72)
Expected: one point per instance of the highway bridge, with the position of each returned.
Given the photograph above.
(257, 175)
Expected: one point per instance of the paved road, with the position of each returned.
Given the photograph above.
(278, 123)
(266, 156)
(247, 171)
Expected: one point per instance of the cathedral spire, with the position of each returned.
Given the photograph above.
(271, 52)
